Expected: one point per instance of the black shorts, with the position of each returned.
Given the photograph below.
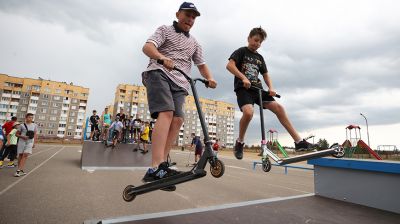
(115, 134)
(94, 127)
(250, 96)
(198, 151)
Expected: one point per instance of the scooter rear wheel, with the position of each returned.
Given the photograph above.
(266, 165)
(339, 150)
(127, 195)
(217, 168)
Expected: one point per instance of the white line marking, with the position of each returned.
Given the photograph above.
(93, 168)
(236, 167)
(33, 170)
(195, 210)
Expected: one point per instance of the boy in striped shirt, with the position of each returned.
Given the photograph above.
(166, 88)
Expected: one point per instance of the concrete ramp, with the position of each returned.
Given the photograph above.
(96, 156)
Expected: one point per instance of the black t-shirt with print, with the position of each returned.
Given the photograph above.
(250, 64)
(94, 119)
(121, 117)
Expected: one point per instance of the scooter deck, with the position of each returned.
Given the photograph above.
(169, 181)
(322, 153)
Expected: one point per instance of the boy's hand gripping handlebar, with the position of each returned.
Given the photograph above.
(205, 81)
(258, 89)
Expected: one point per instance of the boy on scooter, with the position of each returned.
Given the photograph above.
(166, 88)
(245, 64)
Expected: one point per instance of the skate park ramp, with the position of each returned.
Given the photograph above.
(96, 156)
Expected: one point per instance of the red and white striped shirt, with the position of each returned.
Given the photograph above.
(180, 49)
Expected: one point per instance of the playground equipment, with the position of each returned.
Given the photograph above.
(273, 142)
(353, 142)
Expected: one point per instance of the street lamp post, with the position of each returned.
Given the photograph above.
(366, 121)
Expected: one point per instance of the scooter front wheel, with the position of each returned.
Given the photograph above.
(127, 195)
(217, 168)
(266, 165)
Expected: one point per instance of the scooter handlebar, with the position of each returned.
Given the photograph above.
(258, 89)
(205, 81)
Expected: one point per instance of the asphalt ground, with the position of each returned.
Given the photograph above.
(56, 190)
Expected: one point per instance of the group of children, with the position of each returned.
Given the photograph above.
(17, 141)
(122, 129)
(167, 88)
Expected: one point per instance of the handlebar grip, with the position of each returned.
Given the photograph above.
(278, 96)
(160, 61)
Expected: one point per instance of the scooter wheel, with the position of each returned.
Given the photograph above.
(217, 168)
(266, 165)
(339, 152)
(127, 195)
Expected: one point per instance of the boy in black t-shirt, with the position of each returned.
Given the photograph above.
(245, 64)
(94, 125)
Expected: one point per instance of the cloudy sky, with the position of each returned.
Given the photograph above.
(330, 60)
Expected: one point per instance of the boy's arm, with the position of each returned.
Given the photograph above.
(205, 72)
(231, 66)
(151, 51)
(268, 81)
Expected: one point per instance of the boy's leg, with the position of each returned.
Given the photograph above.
(247, 115)
(160, 133)
(243, 125)
(172, 134)
(280, 113)
(276, 108)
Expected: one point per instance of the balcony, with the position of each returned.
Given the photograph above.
(34, 98)
(3, 109)
(16, 96)
(6, 95)
(32, 105)
(81, 110)
(66, 101)
(60, 135)
(64, 108)
(29, 111)
(78, 130)
(14, 103)
(82, 104)
(61, 129)
(62, 122)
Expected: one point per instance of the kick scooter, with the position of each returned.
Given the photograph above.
(217, 167)
(335, 150)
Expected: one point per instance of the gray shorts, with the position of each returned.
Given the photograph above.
(163, 94)
(25, 147)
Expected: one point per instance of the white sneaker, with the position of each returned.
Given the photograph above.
(22, 173)
(18, 173)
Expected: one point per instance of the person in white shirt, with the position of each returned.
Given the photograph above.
(116, 126)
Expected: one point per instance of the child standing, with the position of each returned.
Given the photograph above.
(144, 137)
(245, 64)
(117, 127)
(27, 134)
(11, 147)
(167, 88)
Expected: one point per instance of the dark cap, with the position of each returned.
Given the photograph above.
(189, 6)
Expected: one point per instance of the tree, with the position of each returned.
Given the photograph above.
(323, 144)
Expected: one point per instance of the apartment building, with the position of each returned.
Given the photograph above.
(219, 115)
(59, 108)
(133, 99)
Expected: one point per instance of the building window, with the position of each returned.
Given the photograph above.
(52, 118)
(41, 117)
(45, 103)
(50, 132)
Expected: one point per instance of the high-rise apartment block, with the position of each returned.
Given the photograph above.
(219, 116)
(59, 108)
